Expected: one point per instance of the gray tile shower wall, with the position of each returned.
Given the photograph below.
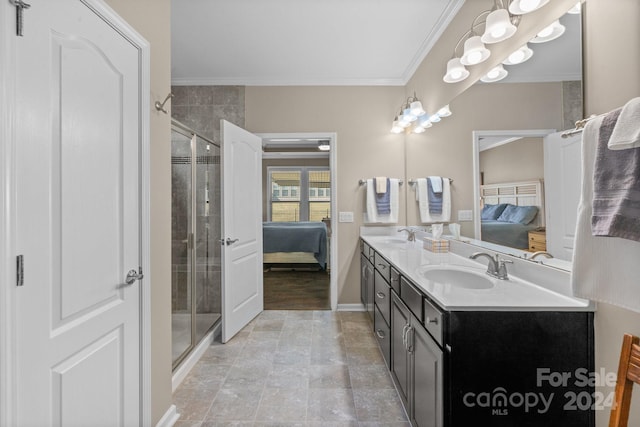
(202, 107)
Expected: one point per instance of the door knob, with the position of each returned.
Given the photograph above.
(231, 242)
(132, 276)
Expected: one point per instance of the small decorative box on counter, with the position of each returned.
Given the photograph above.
(436, 245)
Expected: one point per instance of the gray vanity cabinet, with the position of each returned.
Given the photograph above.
(417, 367)
(367, 278)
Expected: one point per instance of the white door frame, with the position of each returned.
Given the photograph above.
(333, 168)
(476, 135)
(8, 46)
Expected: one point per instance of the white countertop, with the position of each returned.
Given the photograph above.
(513, 294)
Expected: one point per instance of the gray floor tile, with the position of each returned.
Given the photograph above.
(331, 405)
(293, 368)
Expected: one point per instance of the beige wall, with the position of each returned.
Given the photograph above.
(612, 67)
(521, 160)
(361, 117)
(151, 18)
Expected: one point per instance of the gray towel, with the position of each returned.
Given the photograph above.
(616, 187)
(435, 199)
(383, 201)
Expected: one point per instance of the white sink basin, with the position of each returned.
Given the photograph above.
(458, 278)
(395, 241)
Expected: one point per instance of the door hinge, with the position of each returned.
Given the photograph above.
(20, 6)
(20, 270)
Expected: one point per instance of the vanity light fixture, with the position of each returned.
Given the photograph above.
(395, 126)
(435, 118)
(444, 111)
(475, 51)
(552, 32)
(521, 7)
(456, 72)
(498, 27)
(423, 124)
(575, 10)
(519, 56)
(495, 74)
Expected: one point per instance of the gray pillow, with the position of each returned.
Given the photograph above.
(492, 212)
(518, 214)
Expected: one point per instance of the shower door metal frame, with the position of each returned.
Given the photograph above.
(186, 131)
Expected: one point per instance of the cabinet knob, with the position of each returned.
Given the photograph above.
(380, 334)
(380, 295)
(430, 320)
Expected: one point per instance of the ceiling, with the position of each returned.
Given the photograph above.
(331, 42)
(303, 42)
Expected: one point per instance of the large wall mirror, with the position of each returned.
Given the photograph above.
(505, 125)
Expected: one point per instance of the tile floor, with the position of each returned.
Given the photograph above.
(293, 368)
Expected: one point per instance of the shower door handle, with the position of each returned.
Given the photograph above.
(231, 242)
(133, 275)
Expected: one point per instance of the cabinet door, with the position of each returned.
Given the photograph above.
(370, 290)
(400, 322)
(363, 279)
(427, 378)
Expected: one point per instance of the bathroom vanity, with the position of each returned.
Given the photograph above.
(466, 349)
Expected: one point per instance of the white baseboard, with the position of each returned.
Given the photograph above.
(169, 418)
(350, 307)
(187, 364)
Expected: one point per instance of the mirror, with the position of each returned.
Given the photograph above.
(517, 167)
(540, 96)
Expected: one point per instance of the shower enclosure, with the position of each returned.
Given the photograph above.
(195, 234)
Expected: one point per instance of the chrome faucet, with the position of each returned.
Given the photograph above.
(496, 267)
(411, 234)
(540, 253)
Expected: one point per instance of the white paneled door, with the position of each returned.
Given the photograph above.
(242, 292)
(78, 145)
(562, 174)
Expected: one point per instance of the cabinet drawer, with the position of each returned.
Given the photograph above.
(382, 296)
(433, 320)
(533, 247)
(411, 297)
(383, 336)
(382, 265)
(395, 280)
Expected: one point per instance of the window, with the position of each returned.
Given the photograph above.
(299, 193)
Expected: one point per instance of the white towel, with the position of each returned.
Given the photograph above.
(381, 184)
(604, 269)
(626, 133)
(436, 183)
(423, 201)
(372, 216)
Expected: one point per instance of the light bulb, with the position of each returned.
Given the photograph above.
(444, 111)
(519, 56)
(418, 129)
(498, 32)
(416, 108)
(493, 73)
(456, 74)
(516, 57)
(474, 57)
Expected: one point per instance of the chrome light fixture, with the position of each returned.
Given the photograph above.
(519, 56)
(552, 32)
(498, 27)
(456, 72)
(495, 74)
(521, 7)
(475, 51)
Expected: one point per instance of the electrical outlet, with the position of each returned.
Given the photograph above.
(465, 215)
(345, 217)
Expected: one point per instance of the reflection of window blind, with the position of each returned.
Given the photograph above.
(286, 179)
(319, 179)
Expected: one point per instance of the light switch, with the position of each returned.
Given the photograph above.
(465, 215)
(345, 217)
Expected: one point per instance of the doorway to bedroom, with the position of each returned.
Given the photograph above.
(297, 213)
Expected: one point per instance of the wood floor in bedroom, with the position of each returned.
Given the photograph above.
(286, 289)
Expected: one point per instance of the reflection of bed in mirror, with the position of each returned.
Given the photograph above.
(510, 210)
(288, 243)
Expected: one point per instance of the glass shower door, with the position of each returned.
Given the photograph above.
(181, 255)
(208, 273)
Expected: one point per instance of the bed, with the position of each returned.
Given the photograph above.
(510, 210)
(296, 237)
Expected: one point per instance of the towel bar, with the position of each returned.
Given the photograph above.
(364, 182)
(413, 181)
